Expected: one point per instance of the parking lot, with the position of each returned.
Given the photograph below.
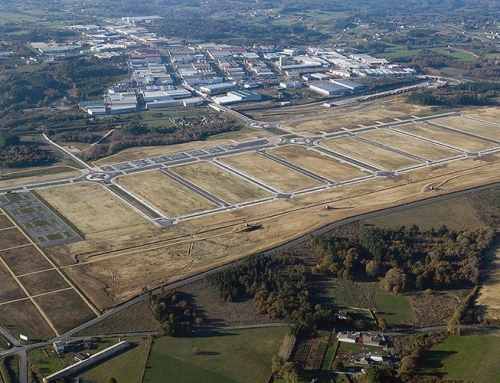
(38, 221)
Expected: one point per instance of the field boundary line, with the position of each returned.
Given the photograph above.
(52, 292)
(7, 228)
(14, 301)
(35, 272)
(48, 259)
(15, 247)
(147, 359)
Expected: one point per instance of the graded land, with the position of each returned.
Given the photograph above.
(368, 153)
(221, 183)
(318, 163)
(270, 172)
(469, 125)
(165, 194)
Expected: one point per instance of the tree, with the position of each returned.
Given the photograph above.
(373, 269)
(338, 365)
(382, 323)
(377, 375)
(112, 380)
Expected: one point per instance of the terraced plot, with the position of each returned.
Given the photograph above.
(420, 148)
(315, 162)
(220, 182)
(470, 126)
(165, 194)
(84, 203)
(368, 153)
(454, 139)
(270, 172)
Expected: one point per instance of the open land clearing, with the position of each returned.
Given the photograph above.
(10, 238)
(33, 175)
(489, 295)
(24, 260)
(456, 140)
(489, 114)
(165, 194)
(10, 288)
(470, 126)
(368, 153)
(219, 182)
(318, 163)
(90, 207)
(5, 223)
(410, 145)
(270, 172)
(115, 265)
(467, 358)
(43, 282)
(22, 317)
(225, 357)
(245, 134)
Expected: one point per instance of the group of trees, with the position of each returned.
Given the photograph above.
(405, 258)
(175, 316)
(278, 285)
(137, 134)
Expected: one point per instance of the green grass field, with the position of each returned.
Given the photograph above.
(224, 357)
(396, 309)
(467, 358)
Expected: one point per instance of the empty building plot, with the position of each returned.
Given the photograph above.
(90, 207)
(456, 140)
(221, 183)
(5, 222)
(468, 125)
(65, 309)
(22, 317)
(369, 153)
(271, 173)
(25, 260)
(43, 282)
(165, 194)
(317, 163)
(12, 238)
(415, 146)
(10, 290)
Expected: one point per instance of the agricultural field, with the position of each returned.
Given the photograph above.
(468, 125)
(270, 172)
(456, 213)
(221, 183)
(25, 260)
(81, 203)
(466, 357)
(395, 309)
(5, 222)
(22, 317)
(420, 148)
(165, 194)
(11, 238)
(456, 140)
(317, 163)
(65, 309)
(223, 357)
(43, 282)
(10, 290)
(368, 153)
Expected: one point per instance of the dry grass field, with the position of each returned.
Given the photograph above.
(10, 288)
(318, 163)
(30, 176)
(12, 238)
(490, 113)
(354, 116)
(221, 183)
(22, 317)
(454, 139)
(270, 172)
(5, 222)
(245, 134)
(165, 194)
(24, 260)
(43, 282)
(84, 203)
(65, 309)
(368, 153)
(489, 295)
(470, 126)
(410, 145)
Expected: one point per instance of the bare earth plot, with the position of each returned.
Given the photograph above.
(65, 309)
(10, 288)
(167, 195)
(24, 260)
(84, 204)
(23, 318)
(490, 114)
(221, 183)
(454, 139)
(371, 154)
(271, 172)
(470, 126)
(410, 145)
(12, 238)
(317, 163)
(43, 282)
